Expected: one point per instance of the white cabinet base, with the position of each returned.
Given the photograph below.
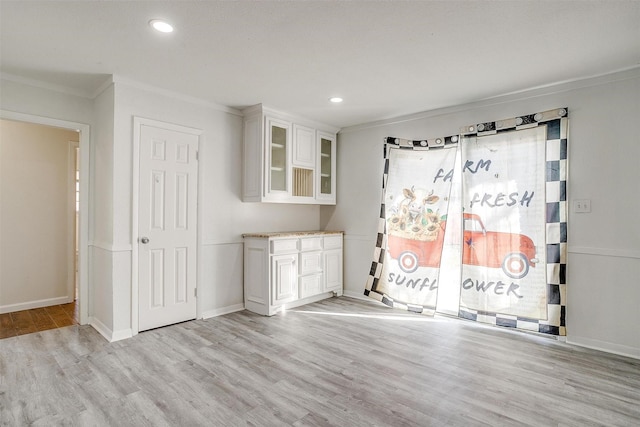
(270, 310)
(287, 270)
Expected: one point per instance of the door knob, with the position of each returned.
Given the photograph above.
(144, 240)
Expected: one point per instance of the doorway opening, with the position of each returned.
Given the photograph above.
(68, 304)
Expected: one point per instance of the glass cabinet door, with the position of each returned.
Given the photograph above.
(327, 168)
(278, 134)
(325, 165)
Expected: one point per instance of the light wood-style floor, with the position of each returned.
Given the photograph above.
(340, 362)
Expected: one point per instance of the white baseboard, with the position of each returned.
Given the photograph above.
(357, 295)
(10, 308)
(608, 347)
(224, 310)
(101, 328)
(121, 335)
(107, 333)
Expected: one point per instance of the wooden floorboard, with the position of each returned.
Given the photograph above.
(338, 362)
(37, 319)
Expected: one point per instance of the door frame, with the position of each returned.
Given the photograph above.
(138, 122)
(84, 219)
(72, 164)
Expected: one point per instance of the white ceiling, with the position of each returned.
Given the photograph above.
(384, 58)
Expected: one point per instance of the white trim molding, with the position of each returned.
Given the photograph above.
(101, 328)
(28, 305)
(108, 247)
(121, 335)
(608, 347)
(222, 311)
(609, 252)
(45, 85)
(211, 242)
(176, 95)
(108, 334)
(534, 92)
(356, 295)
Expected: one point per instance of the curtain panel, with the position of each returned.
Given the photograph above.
(416, 186)
(514, 175)
(482, 215)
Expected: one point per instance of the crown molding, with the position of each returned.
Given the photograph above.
(45, 85)
(627, 73)
(115, 79)
(119, 80)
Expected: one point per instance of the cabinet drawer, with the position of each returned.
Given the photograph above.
(310, 244)
(284, 246)
(333, 242)
(310, 285)
(310, 262)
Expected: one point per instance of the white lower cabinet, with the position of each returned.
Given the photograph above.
(284, 270)
(310, 285)
(333, 270)
(284, 278)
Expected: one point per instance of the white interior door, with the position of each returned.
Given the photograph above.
(167, 217)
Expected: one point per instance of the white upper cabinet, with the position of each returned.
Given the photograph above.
(304, 147)
(326, 167)
(278, 136)
(287, 159)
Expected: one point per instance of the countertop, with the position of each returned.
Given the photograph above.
(288, 234)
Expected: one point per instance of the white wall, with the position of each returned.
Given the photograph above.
(223, 216)
(35, 205)
(603, 309)
(101, 241)
(45, 102)
(41, 103)
(604, 262)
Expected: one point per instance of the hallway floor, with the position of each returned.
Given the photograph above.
(37, 319)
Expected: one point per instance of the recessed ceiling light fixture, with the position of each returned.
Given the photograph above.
(160, 25)
(335, 99)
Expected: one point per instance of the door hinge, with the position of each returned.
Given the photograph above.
(195, 292)
(197, 155)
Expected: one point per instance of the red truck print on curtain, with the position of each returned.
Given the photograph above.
(416, 245)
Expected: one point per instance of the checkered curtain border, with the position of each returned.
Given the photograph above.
(557, 124)
(381, 242)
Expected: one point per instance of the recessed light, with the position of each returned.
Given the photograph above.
(160, 25)
(336, 99)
